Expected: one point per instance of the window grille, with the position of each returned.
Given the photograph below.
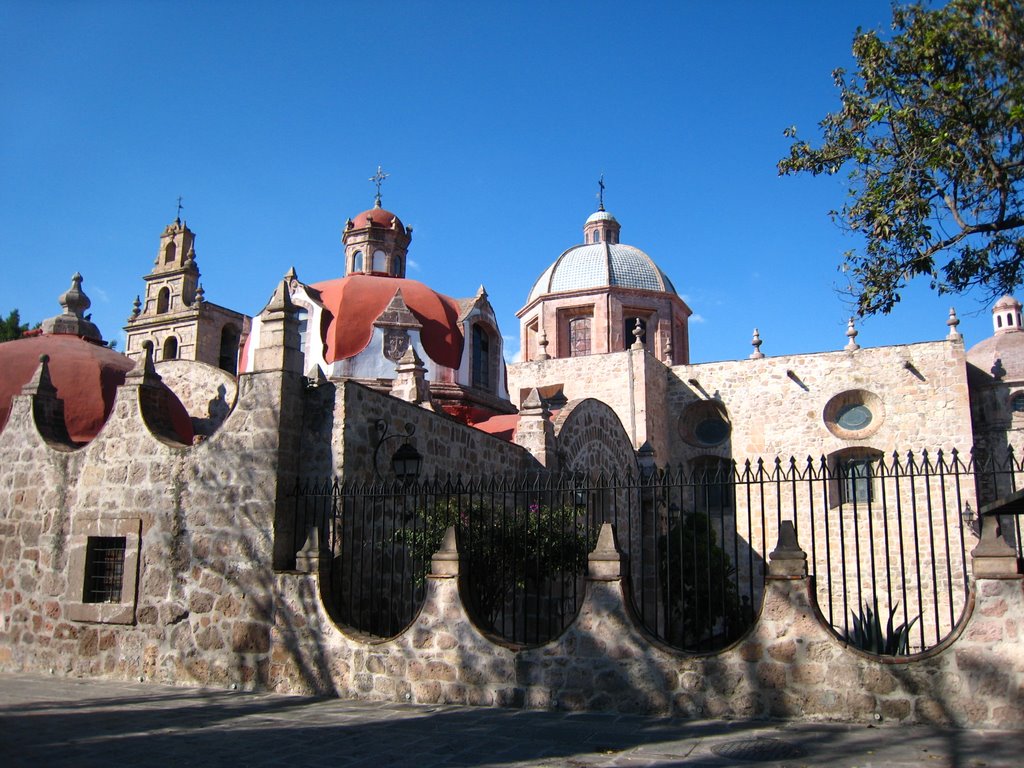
(104, 569)
(579, 336)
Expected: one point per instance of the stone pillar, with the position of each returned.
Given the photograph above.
(787, 561)
(444, 564)
(993, 558)
(410, 382)
(605, 562)
(47, 408)
(279, 335)
(535, 432)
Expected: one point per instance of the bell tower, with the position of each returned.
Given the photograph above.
(175, 316)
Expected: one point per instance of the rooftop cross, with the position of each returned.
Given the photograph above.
(180, 206)
(378, 179)
(600, 193)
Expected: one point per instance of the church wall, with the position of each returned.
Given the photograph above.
(776, 404)
(776, 409)
(603, 377)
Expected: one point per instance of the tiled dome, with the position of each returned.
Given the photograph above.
(601, 265)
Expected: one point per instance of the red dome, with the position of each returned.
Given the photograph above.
(378, 216)
(86, 376)
(354, 302)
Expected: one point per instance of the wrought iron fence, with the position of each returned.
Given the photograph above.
(885, 535)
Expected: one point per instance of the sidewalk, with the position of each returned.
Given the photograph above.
(49, 721)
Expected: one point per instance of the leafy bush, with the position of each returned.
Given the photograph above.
(506, 552)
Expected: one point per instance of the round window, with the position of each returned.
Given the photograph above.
(853, 416)
(711, 431)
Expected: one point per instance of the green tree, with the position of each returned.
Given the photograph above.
(12, 328)
(930, 130)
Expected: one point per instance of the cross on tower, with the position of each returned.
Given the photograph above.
(180, 206)
(378, 179)
(600, 193)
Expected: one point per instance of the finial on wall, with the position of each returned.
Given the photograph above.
(851, 334)
(756, 342)
(953, 322)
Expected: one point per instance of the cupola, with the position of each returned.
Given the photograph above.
(1006, 316)
(376, 241)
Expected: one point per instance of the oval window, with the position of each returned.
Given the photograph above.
(711, 431)
(853, 416)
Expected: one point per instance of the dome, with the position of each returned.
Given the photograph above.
(86, 376)
(354, 302)
(376, 216)
(601, 215)
(1006, 344)
(601, 265)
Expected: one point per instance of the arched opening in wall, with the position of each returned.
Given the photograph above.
(170, 252)
(1017, 405)
(397, 269)
(484, 372)
(357, 261)
(228, 358)
(380, 262)
(163, 300)
(999, 321)
(170, 350)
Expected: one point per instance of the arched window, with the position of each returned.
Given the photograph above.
(229, 337)
(853, 476)
(170, 252)
(357, 261)
(163, 300)
(170, 348)
(379, 262)
(398, 267)
(481, 358)
(713, 484)
(999, 321)
(1009, 318)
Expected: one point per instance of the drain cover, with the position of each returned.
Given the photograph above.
(757, 750)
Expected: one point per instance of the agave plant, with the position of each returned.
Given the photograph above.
(868, 635)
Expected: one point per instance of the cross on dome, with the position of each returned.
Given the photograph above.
(378, 179)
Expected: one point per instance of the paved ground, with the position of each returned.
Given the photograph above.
(47, 721)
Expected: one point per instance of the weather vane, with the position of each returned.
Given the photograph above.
(180, 206)
(378, 179)
(600, 193)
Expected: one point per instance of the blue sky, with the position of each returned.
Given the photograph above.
(494, 119)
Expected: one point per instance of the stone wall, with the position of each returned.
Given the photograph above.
(776, 405)
(789, 665)
(447, 446)
(197, 599)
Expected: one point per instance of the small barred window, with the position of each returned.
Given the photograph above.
(104, 569)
